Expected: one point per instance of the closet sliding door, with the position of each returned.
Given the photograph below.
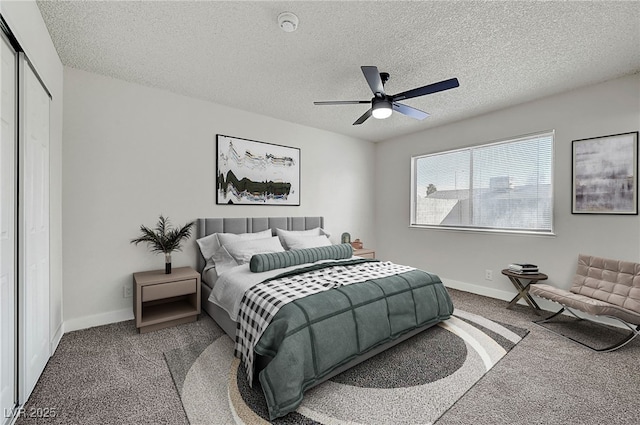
(24, 226)
(33, 227)
(8, 335)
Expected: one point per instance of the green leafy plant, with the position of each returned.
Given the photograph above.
(164, 238)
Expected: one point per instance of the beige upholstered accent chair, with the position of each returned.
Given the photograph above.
(601, 287)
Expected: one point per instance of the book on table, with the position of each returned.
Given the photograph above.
(523, 268)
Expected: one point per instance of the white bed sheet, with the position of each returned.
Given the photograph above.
(210, 276)
(231, 285)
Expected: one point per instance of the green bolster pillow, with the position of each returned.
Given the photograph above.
(279, 260)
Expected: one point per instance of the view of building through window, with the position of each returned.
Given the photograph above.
(505, 186)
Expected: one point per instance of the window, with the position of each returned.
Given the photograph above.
(504, 186)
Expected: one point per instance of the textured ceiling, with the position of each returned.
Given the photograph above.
(234, 53)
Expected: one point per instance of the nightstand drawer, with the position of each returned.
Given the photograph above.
(168, 290)
(364, 253)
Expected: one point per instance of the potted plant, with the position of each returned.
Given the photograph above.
(164, 238)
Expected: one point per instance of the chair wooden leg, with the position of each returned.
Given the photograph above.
(634, 331)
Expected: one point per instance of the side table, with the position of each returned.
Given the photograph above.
(161, 300)
(365, 253)
(523, 288)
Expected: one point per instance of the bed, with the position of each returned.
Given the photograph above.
(369, 307)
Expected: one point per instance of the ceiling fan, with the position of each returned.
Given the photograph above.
(383, 104)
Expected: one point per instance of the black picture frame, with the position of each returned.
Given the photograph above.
(250, 172)
(605, 175)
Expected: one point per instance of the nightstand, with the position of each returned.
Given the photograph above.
(365, 253)
(161, 300)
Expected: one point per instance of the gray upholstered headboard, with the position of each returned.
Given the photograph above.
(207, 226)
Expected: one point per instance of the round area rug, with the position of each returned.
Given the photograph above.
(413, 382)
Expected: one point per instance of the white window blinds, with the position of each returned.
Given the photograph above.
(499, 186)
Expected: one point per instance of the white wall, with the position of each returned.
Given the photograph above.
(133, 152)
(25, 21)
(461, 258)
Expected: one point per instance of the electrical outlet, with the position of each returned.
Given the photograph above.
(488, 274)
(127, 291)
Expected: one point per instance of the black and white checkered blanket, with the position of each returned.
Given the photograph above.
(262, 301)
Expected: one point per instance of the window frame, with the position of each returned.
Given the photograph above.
(470, 148)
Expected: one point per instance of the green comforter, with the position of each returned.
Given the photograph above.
(310, 337)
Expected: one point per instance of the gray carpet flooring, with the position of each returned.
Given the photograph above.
(113, 375)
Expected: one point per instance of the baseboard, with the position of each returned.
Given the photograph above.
(497, 293)
(57, 336)
(479, 289)
(127, 314)
(97, 320)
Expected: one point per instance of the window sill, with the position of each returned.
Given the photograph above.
(484, 231)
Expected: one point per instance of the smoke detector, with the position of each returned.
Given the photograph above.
(288, 21)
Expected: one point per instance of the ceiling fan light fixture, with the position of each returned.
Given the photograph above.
(381, 109)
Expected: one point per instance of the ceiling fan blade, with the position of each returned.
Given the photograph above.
(431, 88)
(342, 102)
(409, 111)
(363, 118)
(373, 78)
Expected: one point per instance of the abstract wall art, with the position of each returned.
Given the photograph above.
(249, 172)
(605, 175)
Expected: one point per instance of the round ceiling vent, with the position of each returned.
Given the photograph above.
(287, 21)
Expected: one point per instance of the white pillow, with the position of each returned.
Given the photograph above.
(227, 238)
(301, 242)
(208, 246)
(223, 261)
(317, 231)
(243, 250)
